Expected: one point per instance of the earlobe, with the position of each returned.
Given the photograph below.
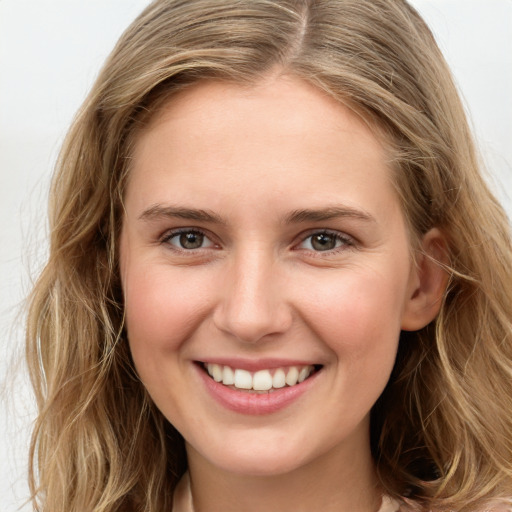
(428, 282)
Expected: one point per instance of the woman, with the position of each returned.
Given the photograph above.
(269, 287)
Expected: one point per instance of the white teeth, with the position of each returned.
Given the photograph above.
(228, 377)
(243, 379)
(217, 373)
(303, 374)
(279, 379)
(262, 380)
(292, 376)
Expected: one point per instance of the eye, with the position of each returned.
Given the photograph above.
(188, 239)
(325, 241)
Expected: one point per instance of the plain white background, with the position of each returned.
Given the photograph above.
(50, 53)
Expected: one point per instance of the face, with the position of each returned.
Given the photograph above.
(267, 274)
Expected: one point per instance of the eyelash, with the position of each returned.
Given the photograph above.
(344, 241)
(166, 239)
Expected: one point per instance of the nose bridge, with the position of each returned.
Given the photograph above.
(253, 304)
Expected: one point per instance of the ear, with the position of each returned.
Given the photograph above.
(428, 282)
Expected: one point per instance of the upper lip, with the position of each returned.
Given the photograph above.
(254, 365)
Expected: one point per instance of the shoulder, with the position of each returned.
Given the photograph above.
(501, 506)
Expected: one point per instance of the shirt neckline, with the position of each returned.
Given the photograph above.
(182, 501)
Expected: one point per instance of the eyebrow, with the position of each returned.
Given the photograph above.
(329, 213)
(159, 211)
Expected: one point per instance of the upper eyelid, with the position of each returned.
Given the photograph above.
(175, 231)
(338, 234)
(171, 233)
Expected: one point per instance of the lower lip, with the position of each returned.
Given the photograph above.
(244, 402)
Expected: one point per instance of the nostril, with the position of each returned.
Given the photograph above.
(252, 325)
(251, 306)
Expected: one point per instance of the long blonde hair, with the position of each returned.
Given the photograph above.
(441, 431)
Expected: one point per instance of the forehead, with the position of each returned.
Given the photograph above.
(280, 138)
(301, 101)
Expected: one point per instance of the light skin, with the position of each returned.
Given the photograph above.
(291, 246)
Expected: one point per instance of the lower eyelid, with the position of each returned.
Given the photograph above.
(170, 235)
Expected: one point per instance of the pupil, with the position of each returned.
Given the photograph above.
(191, 240)
(323, 242)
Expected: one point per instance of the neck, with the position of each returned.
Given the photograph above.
(335, 481)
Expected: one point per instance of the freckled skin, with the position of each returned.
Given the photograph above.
(256, 288)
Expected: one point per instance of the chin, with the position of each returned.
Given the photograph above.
(260, 459)
(260, 466)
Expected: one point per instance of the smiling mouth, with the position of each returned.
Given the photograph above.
(261, 381)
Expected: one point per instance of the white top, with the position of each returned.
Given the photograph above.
(183, 499)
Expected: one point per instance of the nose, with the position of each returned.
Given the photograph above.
(253, 304)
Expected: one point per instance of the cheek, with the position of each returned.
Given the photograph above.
(358, 315)
(162, 309)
